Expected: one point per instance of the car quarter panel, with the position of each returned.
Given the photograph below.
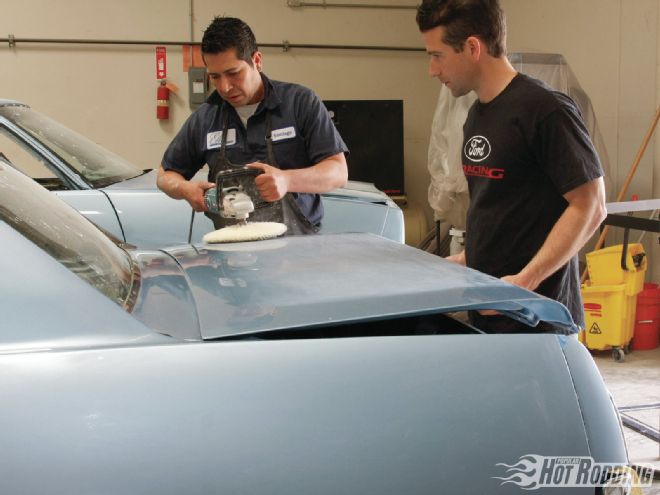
(96, 207)
(346, 215)
(151, 219)
(165, 302)
(601, 419)
(423, 415)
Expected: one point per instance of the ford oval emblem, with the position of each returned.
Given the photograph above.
(477, 148)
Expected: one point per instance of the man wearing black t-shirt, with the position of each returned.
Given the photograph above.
(535, 181)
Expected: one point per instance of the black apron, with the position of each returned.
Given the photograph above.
(284, 211)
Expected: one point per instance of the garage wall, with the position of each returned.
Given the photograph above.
(108, 92)
(612, 46)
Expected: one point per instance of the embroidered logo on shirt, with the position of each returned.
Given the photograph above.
(477, 148)
(282, 134)
(483, 171)
(214, 139)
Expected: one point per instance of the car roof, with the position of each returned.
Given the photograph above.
(319, 280)
(11, 103)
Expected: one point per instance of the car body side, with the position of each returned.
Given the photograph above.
(136, 212)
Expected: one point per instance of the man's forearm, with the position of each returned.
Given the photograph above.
(324, 176)
(171, 183)
(177, 186)
(585, 212)
(564, 241)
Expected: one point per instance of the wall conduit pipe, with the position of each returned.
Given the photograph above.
(326, 5)
(285, 45)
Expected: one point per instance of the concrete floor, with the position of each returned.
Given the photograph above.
(636, 382)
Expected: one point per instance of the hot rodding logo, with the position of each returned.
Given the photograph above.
(532, 472)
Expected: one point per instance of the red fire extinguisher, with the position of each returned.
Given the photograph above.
(163, 101)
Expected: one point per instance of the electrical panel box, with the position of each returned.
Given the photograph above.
(198, 86)
(373, 132)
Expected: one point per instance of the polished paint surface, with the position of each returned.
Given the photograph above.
(421, 415)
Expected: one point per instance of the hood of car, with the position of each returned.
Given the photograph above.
(314, 281)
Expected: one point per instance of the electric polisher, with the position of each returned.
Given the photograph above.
(236, 196)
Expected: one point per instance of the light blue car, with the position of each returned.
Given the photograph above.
(123, 200)
(322, 364)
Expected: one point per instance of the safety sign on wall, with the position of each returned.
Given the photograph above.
(161, 62)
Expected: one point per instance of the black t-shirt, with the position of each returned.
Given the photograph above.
(521, 152)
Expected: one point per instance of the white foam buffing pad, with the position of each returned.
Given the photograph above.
(253, 231)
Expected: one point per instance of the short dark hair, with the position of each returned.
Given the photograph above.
(464, 18)
(225, 33)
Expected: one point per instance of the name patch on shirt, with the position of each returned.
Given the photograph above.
(282, 134)
(214, 139)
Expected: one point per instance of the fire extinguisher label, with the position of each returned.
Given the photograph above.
(214, 139)
(161, 62)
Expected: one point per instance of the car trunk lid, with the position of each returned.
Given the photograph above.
(312, 281)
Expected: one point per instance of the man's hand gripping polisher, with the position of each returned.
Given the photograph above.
(235, 194)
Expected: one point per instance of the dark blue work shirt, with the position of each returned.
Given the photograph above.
(302, 131)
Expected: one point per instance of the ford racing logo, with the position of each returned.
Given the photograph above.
(477, 148)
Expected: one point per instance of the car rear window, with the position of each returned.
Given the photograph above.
(64, 234)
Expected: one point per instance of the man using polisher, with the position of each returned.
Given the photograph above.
(280, 129)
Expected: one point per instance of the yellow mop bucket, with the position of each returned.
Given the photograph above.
(605, 267)
(609, 316)
(616, 276)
